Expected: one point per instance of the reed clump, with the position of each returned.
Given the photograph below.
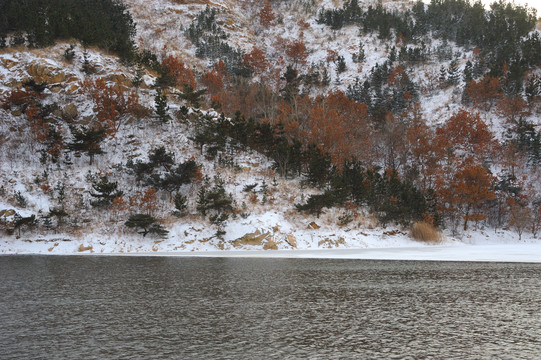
(425, 232)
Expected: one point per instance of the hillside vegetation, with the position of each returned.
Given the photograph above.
(279, 124)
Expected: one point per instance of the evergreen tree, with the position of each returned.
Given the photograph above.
(105, 192)
(340, 65)
(161, 157)
(215, 200)
(443, 76)
(180, 202)
(191, 96)
(87, 140)
(161, 107)
(215, 203)
(174, 179)
(316, 203)
(69, 53)
(291, 89)
(20, 222)
(468, 72)
(146, 224)
(59, 213)
(453, 73)
(138, 78)
(319, 166)
(86, 67)
(360, 56)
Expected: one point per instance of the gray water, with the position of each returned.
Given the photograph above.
(187, 308)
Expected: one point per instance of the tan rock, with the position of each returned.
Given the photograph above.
(55, 89)
(70, 112)
(270, 245)
(72, 89)
(119, 78)
(56, 78)
(57, 112)
(254, 239)
(7, 213)
(71, 78)
(84, 248)
(313, 226)
(9, 63)
(292, 240)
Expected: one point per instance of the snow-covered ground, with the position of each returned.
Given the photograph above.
(376, 244)
(530, 253)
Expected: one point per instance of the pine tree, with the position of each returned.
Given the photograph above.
(217, 204)
(454, 75)
(191, 96)
(161, 157)
(104, 191)
(360, 56)
(180, 202)
(161, 107)
(468, 72)
(319, 165)
(443, 76)
(86, 67)
(146, 224)
(138, 78)
(88, 140)
(340, 65)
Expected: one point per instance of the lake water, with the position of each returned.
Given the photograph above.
(230, 308)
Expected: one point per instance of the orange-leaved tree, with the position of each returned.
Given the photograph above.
(256, 61)
(484, 93)
(296, 51)
(112, 103)
(179, 71)
(423, 153)
(465, 135)
(471, 189)
(513, 108)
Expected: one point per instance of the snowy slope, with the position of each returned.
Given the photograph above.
(275, 225)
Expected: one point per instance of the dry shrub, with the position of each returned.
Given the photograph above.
(253, 198)
(422, 231)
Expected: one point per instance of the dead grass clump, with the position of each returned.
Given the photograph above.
(422, 231)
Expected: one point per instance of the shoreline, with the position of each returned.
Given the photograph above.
(505, 253)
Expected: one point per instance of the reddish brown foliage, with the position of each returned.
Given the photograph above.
(266, 15)
(18, 97)
(112, 103)
(256, 61)
(465, 134)
(484, 93)
(213, 81)
(179, 71)
(296, 50)
(513, 109)
(335, 123)
(467, 193)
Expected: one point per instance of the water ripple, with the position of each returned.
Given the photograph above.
(167, 308)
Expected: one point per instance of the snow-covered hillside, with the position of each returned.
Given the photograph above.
(264, 215)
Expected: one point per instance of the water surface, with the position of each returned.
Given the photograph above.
(230, 308)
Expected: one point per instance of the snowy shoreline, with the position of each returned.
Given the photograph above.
(506, 253)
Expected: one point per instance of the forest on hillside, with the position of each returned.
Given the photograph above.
(367, 147)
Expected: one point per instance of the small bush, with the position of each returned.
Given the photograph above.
(422, 231)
